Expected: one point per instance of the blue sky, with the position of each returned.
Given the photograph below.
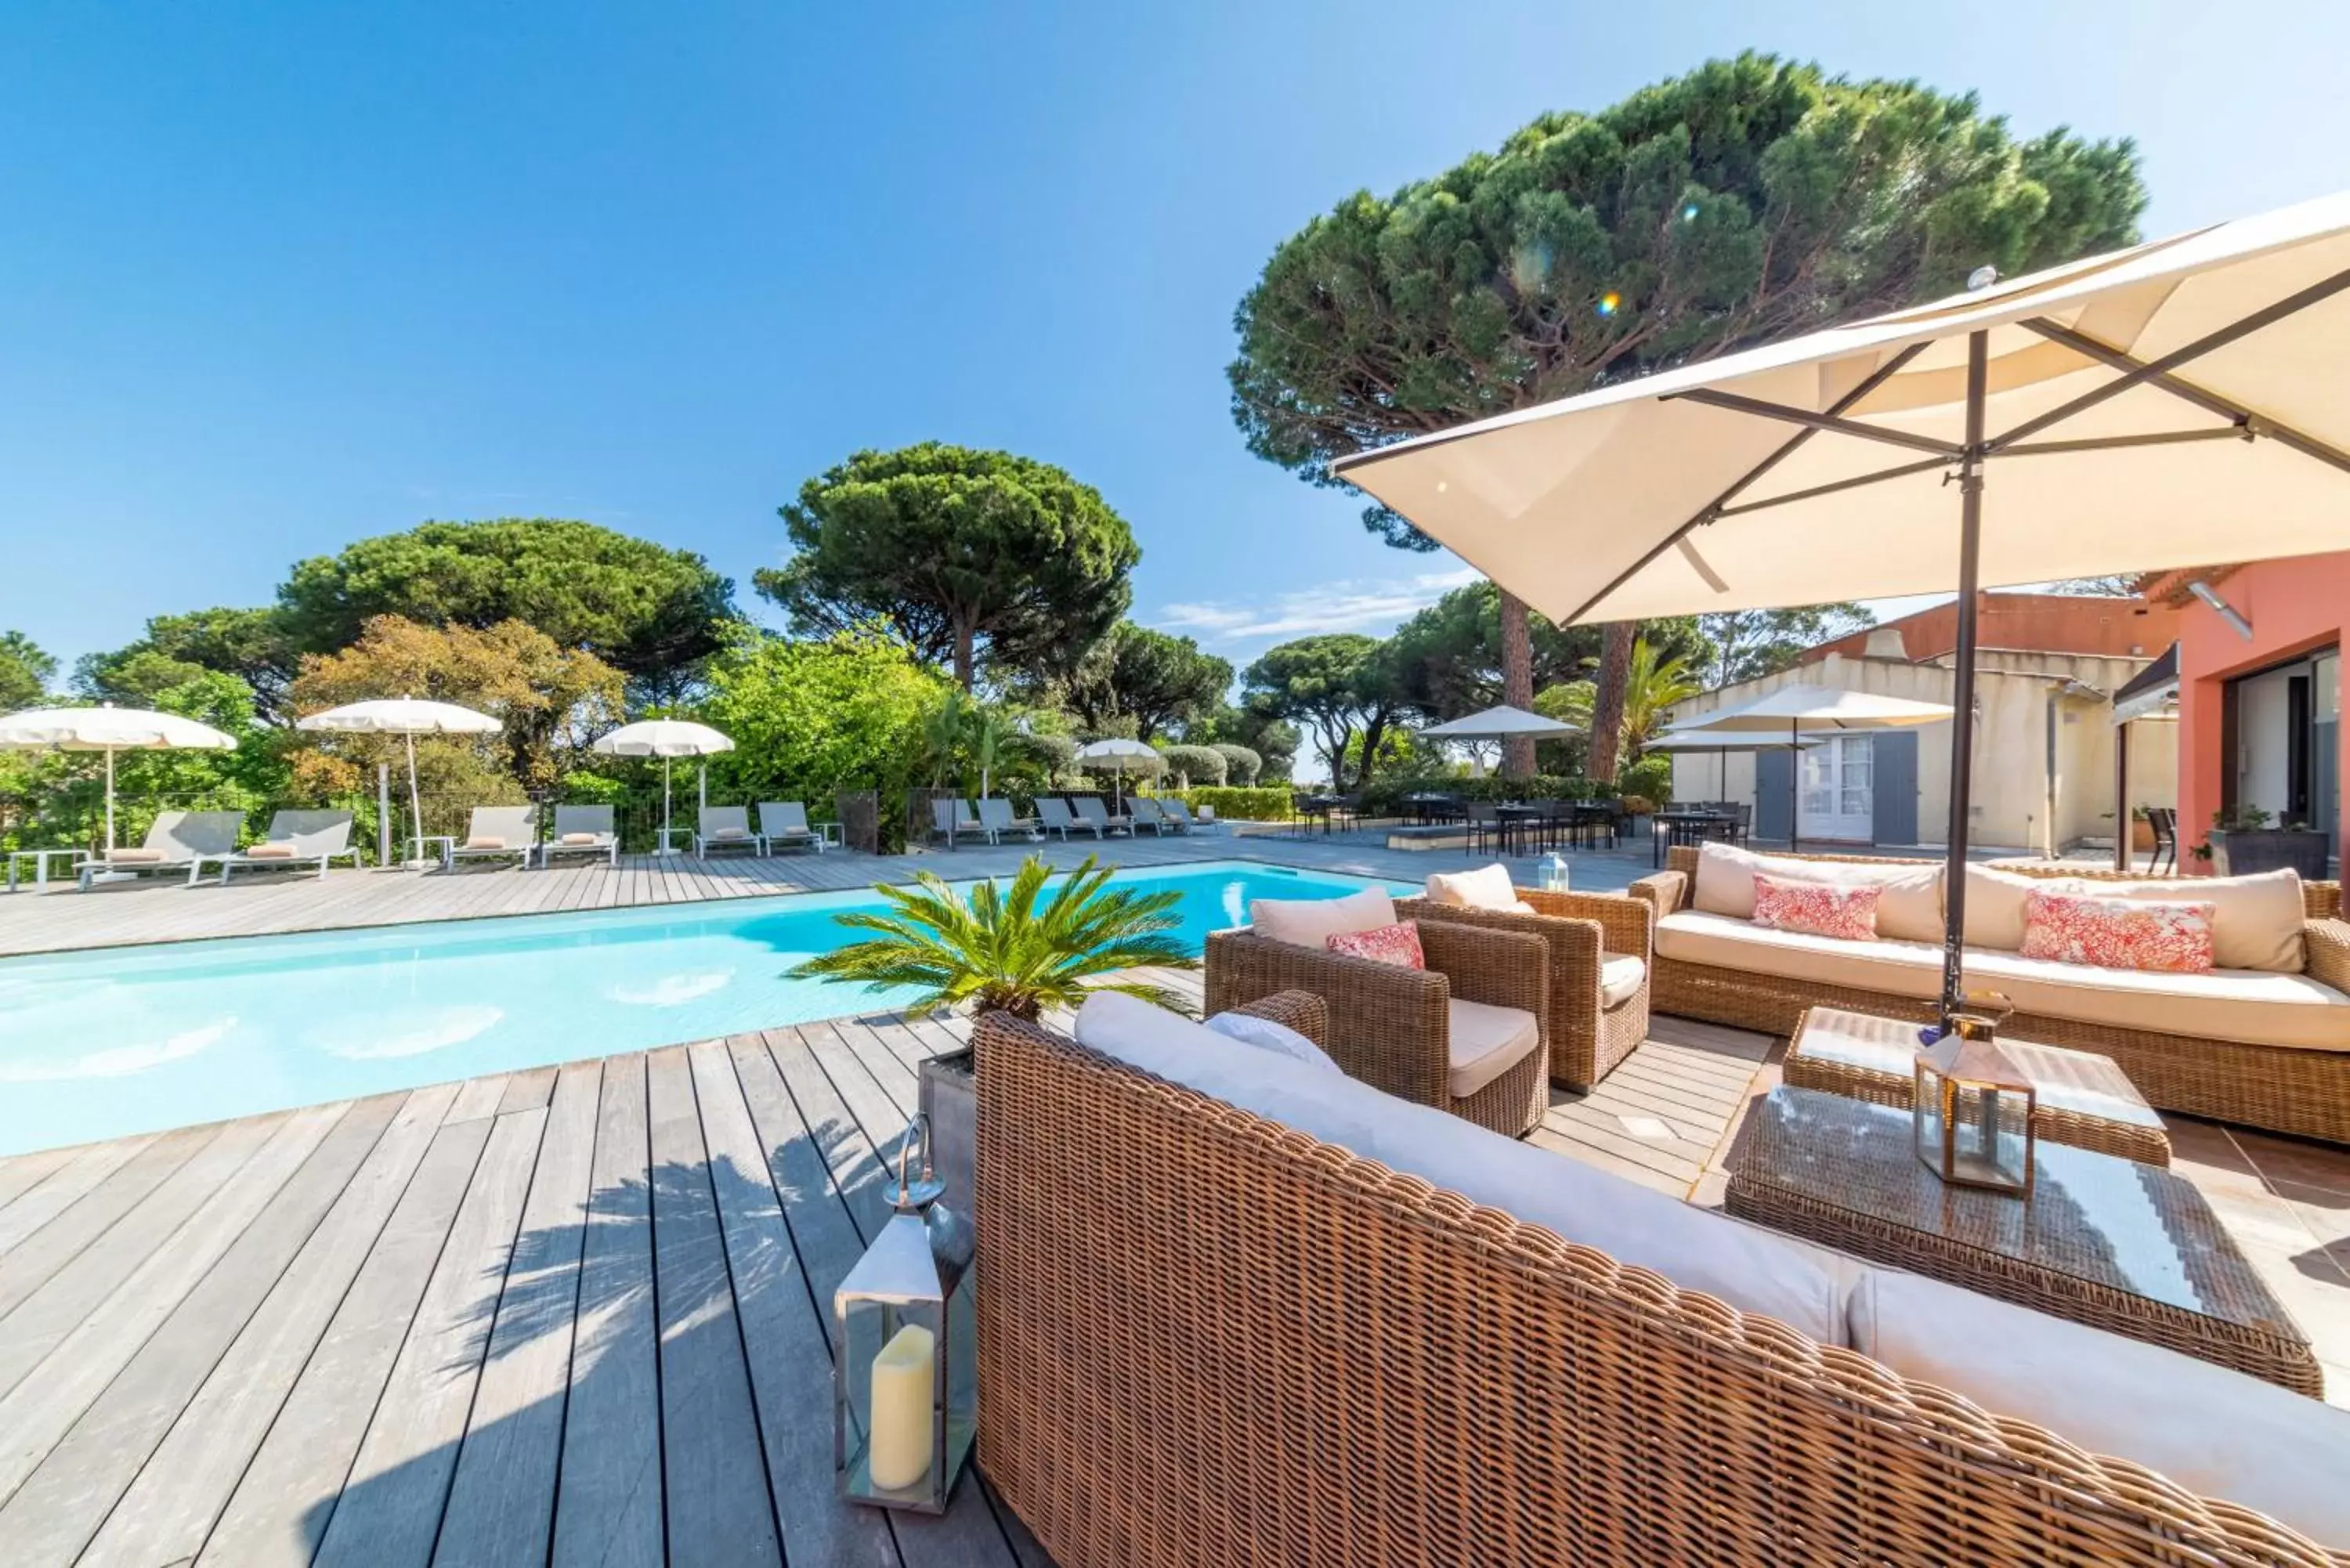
(273, 278)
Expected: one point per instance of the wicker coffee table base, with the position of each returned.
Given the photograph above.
(2289, 1364)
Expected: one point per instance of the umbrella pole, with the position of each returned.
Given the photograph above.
(1794, 790)
(1962, 697)
(415, 806)
(109, 800)
(665, 812)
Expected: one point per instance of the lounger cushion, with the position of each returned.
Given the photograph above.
(2256, 1007)
(2214, 1431)
(1751, 1268)
(2255, 924)
(579, 838)
(1311, 922)
(717, 833)
(485, 841)
(135, 856)
(1483, 1043)
(1621, 976)
(1910, 898)
(270, 852)
(1487, 887)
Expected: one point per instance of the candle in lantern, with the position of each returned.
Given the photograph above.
(903, 1377)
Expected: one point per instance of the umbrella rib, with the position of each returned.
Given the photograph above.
(1856, 482)
(2247, 421)
(2107, 443)
(1713, 508)
(2324, 289)
(1738, 404)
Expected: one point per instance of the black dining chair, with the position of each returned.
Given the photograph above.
(2165, 823)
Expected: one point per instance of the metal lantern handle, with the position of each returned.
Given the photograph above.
(916, 1193)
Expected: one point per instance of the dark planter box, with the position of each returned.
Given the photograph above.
(2239, 853)
(950, 1099)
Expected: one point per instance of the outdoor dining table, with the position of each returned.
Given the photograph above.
(1684, 828)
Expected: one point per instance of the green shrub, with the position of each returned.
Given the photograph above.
(1194, 765)
(1266, 804)
(1241, 765)
(1385, 798)
(1651, 778)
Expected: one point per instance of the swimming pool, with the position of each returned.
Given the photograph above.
(106, 1043)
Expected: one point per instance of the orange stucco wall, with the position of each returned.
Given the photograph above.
(2032, 623)
(2296, 606)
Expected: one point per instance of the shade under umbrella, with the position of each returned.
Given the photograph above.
(109, 729)
(2171, 405)
(1117, 757)
(407, 717)
(665, 739)
(1500, 723)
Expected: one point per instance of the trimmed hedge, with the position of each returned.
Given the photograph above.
(1232, 804)
(1384, 797)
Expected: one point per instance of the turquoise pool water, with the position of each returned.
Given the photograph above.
(103, 1044)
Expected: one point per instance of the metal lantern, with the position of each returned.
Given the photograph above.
(1555, 874)
(905, 1390)
(1974, 1110)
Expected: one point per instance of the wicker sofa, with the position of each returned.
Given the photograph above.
(1393, 1027)
(1211, 1335)
(1599, 958)
(2283, 1088)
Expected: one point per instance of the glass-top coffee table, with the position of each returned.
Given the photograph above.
(2082, 1099)
(2111, 1243)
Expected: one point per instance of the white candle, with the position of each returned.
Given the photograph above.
(903, 1375)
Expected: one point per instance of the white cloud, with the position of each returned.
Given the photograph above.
(1353, 604)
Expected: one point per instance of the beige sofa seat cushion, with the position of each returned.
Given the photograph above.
(1311, 922)
(1486, 1042)
(1621, 976)
(2255, 921)
(1909, 898)
(2214, 1431)
(2255, 1007)
(1752, 1270)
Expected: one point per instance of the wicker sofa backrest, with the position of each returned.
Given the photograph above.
(1228, 1343)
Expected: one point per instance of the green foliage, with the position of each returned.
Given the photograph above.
(1446, 660)
(1190, 764)
(26, 671)
(1336, 685)
(1384, 797)
(1156, 679)
(1016, 951)
(250, 644)
(1749, 644)
(1748, 199)
(1236, 804)
(809, 719)
(1254, 727)
(1241, 765)
(650, 612)
(953, 549)
(1650, 778)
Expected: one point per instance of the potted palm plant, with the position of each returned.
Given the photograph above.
(1021, 949)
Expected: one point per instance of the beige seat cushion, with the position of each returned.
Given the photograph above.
(1751, 1268)
(1909, 897)
(270, 852)
(1310, 922)
(1487, 887)
(2256, 1007)
(135, 856)
(1621, 976)
(578, 839)
(2255, 921)
(485, 841)
(1485, 1042)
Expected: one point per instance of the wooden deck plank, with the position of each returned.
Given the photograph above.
(719, 1509)
(62, 1504)
(501, 1498)
(824, 1237)
(171, 1506)
(527, 1091)
(788, 1343)
(478, 1098)
(389, 1515)
(609, 1507)
(26, 1267)
(281, 1506)
(71, 1174)
(21, 1173)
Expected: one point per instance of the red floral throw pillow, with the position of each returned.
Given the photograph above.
(2119, 933)
(1397, 944)
(1816, 908)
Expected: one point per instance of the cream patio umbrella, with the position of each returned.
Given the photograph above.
(1675, 742)
(2173, 404)
(1499, 723)
(407, 717)
(665, 739)
(1785, 713)
(109, 729)
(1118, 757)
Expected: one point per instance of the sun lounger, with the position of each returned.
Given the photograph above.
(297, 841)
(786, 822)
(1179, 815)
(995, 815)
(1146, 813)
(1052, 815)
(726, 827)
(582, 830)
(1093, 814)
(177, 840)
(498, 830)
(952, 820)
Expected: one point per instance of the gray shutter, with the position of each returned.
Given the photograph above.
(1894, 776)
(1775, 794)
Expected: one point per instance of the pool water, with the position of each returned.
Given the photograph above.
(103, 1044)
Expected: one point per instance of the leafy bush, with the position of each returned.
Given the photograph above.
(1266, 804)
(1194, 765)
(1651, 778)
(1241, 765)
(1385, 798)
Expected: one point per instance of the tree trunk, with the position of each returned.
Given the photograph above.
(1607, 700)
(1517, 681)
(1373, 733)
(964, 637)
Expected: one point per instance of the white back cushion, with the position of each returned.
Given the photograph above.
(1266, 1035)
(1752, 1270)
(1307, 922)
(1909, 900)
(1487, 887)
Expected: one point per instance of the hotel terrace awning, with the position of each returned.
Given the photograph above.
(2152, 693)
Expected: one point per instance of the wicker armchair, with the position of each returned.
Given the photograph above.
(1587, 1036)
(2280, 1088)
(1389, 1026)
